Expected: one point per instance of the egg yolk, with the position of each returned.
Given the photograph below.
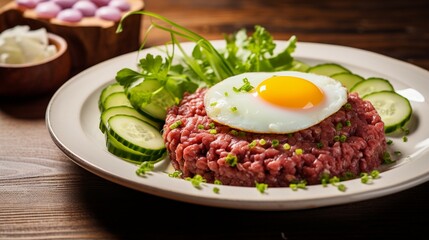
(290, 92)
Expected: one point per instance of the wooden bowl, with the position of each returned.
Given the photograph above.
(28, 80)
(91, 41)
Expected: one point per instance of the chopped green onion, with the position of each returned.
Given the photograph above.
(216, 190)
(253, 144)
(389, 142)
(175, 124)
(231, 160)
(246, 87)
(299, 151)
(196, 180)
(262, 142)
(275, 143)
(262, 187)
(233, 109)
(226, 94)
(212, 131)
(348, 123)
(286, 146)
(405, 139)
(234, 132)
(217, 182)
(386, 158)
(175, 174)
(364, 178)
(145, 167)
(375, 174)
(213, 104)
(339, 126)
(342, 187)
(348, 106)
(200, 126)
(319, 145)
(300, 185)
(212, 125)
(343, 138)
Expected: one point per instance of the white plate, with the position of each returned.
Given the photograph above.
(72, 118)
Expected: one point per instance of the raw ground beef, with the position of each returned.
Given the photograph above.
(345, 144)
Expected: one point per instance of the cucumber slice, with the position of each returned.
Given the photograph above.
(395, 110)
(120, 150)
(299, 66)
(157, 108)
(328, 69)
(347, 79)
(372, 85)
(116, 99)
(109, 89)
(125, 110)
(136, 134)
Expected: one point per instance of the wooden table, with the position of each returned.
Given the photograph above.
(44, 195)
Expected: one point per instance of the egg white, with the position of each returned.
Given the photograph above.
(244, 111)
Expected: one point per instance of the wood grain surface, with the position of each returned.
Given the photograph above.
(44, 195)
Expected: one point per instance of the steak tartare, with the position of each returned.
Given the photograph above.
(345, 144)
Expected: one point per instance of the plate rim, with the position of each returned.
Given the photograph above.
(210, 199)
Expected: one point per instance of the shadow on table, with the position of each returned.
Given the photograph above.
(25, 107)
(130, 214)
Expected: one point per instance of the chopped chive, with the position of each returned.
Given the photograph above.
(145, 167)
(364, 178)
(253, 144)
(234, 132)
(212, 125)
(233, 109)
(262, 187)
(213, 104)
(175, 174)
(286, 146)
(375, 174)
(200, 126)
(299, 151)
(217, 182)
(348, 106)
(389, 142)
(343, 138)
(175, 124)
(212, 131)
(319, 145)
(226, 94)
(275, 143)
(342, 187)
(196, 180)
(405, 139)
(231, 160)
(348, 123)
(216, 190)
(300, 185)
(339, 126)
(387, 159)
(246, 87)
(262, 142)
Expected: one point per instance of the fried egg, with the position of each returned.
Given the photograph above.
(274, 102)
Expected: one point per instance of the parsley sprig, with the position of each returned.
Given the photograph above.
(206, 65)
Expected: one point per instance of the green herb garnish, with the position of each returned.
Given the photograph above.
(196, 180)
(261, 187)
(231, 160)
(246, 87)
